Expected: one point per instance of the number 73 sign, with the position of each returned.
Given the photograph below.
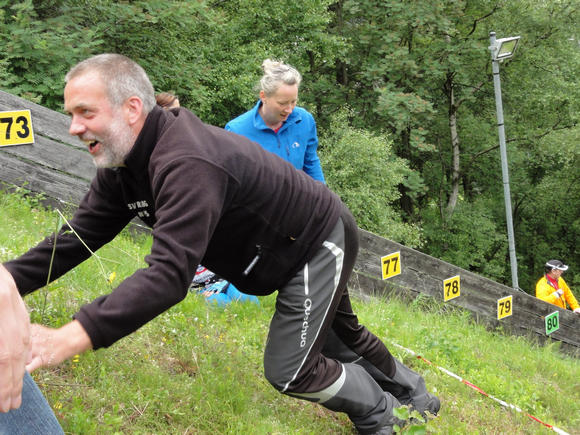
(16, 128)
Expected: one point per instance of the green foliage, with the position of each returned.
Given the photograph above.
(469, 239)
(550, 224)
(415, 422)
(166, 38)
(208, 54)
(253, 30)
(361, 168)
(404, 110)
(35, 53)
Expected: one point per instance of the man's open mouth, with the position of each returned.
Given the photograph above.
(91, 144)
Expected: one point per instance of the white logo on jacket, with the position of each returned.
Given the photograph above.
(140, 207)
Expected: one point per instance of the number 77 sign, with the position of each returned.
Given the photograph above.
(391, 264)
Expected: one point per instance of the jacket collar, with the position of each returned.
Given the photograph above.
(259, 123)
(137, 160)
(553, 282)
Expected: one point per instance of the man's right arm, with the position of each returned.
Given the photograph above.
(14, 342)
(101, 215)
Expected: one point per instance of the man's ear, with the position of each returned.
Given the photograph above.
(133, 110)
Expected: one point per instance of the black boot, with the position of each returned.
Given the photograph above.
(416, 392)
(360, 397)
(407, 386)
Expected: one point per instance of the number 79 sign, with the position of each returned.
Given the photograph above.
(504, 307)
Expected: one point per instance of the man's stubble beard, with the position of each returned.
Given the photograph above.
(116, 144)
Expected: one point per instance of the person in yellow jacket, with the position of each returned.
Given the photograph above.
(553, 289)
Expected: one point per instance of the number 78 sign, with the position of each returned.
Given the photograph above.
(451, 288)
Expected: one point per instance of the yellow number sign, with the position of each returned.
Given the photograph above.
(391, 265)
(16, 128)
(505, 307)
(451, 288)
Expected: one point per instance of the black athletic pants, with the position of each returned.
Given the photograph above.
(307, 307)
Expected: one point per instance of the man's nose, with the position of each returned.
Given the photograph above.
(76, 128)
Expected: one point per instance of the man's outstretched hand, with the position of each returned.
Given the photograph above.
(14, 342)
(52, 346)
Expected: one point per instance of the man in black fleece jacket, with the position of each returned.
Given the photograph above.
(216, 198)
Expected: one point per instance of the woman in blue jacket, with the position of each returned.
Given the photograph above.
(282, 128)
(276, 123)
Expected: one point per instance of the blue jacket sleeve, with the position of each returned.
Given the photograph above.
(311, 161)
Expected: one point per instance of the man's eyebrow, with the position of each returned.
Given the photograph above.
(80, 106)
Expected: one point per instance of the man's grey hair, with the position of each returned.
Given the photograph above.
(123, 78)
(277, 73)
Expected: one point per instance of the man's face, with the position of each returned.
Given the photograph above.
(94, 120)
(555, 273)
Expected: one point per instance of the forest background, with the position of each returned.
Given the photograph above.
(402, 92)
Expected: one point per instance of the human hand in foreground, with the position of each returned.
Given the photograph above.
(52, 346)
(14, 342)
(558, 293)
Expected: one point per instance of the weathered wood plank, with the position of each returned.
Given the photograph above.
(45, 122)
(360, 284)
(54, 155)
(41, 179)
(422, 274)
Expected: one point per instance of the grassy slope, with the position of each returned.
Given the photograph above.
(198, 368)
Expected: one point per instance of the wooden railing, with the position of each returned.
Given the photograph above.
(422, 274)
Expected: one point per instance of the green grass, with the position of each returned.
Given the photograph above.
(197, 369)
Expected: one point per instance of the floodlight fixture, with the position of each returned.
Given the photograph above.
(504, 48)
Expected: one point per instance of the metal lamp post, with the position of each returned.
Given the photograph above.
(503, 49)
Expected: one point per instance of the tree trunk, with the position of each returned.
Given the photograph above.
(454, 194)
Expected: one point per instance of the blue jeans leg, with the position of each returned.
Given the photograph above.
(34, 417)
